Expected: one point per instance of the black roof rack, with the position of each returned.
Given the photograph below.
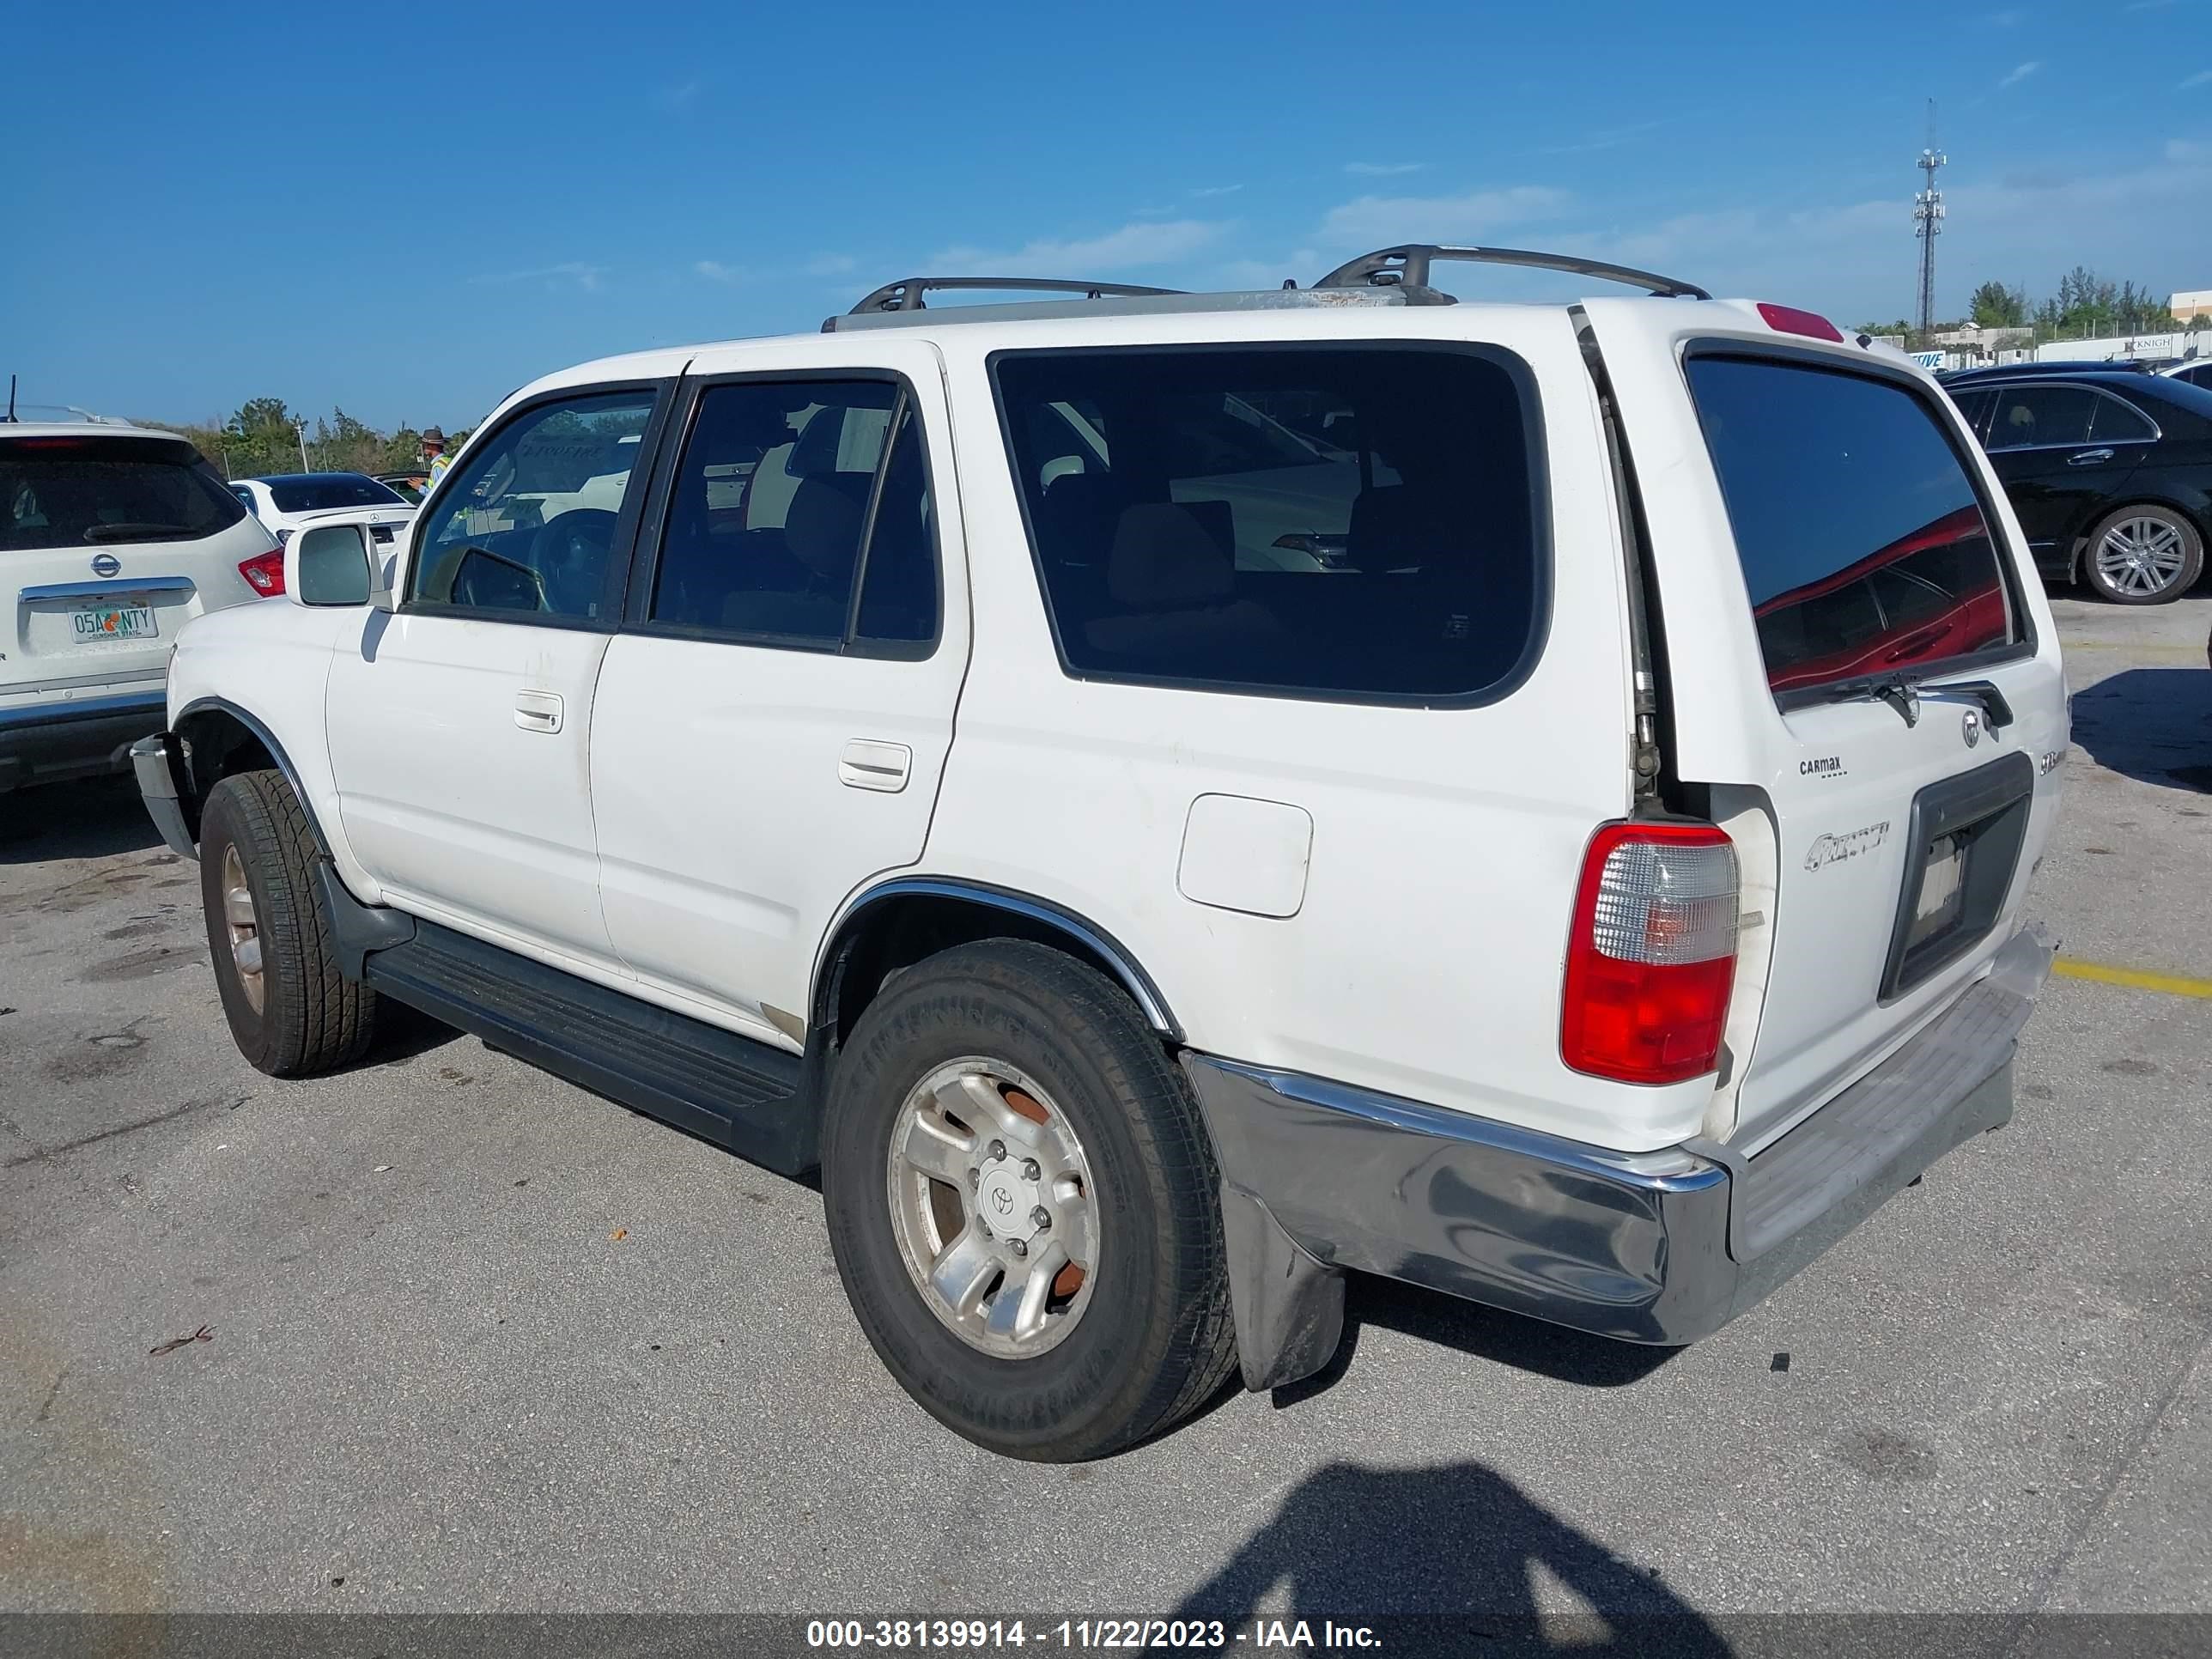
(1408, 265)
(905, 294)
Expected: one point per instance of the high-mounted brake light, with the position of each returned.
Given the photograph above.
(1652, 957)
(265, 571)
(1788, 319)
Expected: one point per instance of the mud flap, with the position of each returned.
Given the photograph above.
(1289, 1308)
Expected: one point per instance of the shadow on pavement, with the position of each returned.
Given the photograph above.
(1491, 1334)
(2151, 723)
(92, 820)
(1443, 1561)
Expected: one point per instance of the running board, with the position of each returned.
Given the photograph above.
(728, 1089)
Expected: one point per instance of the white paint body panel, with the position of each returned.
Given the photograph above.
(448, 799)
(1379, 895)
(1426, 957)
(1819, 1027)
(732, 824)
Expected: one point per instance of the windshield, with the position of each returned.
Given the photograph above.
(72, 491)
(1860, 537)
(324, 491)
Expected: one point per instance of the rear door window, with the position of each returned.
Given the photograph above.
(2041, 417)
(1863, 541)
(790, 495)
(1188, 532)
(100, 491)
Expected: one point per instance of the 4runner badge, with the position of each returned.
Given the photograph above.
(1835, 850)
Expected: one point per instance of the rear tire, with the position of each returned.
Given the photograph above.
(1151, 1338)
(2142, 555)
(291, 1011)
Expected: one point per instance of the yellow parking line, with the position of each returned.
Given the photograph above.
(2172, 984)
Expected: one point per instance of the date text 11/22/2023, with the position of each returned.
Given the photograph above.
(979, 1635)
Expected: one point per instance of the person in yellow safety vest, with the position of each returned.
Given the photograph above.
(433, 444)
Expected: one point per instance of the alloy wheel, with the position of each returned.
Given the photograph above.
(993, 1206)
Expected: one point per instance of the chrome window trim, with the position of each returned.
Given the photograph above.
(2157, 432)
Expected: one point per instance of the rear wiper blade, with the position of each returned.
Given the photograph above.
(1903, 695)
(134, 532)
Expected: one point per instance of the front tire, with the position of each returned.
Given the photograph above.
(1007, 1073)
(2143, 555)
(291, 1011)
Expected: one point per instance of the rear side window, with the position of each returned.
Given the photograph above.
(315, 494)
(2118, 422)
(1862, 538)
(1342, 522)
(79, 492)
(2041, 416)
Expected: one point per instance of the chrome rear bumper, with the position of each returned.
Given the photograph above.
(1661, 1247)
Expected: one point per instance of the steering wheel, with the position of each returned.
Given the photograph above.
(570, 552)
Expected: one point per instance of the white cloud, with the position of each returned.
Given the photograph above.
(2203, 77)
(574, 272)
(1218, 189)
(1304, 264)
(1608, 138)
(1383, 169)
(1373, 221)
(830, 265)
(2019, 73)
(678, 97)
(715, 271)
(1132, 245)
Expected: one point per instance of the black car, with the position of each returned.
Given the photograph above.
(2109, 469)
(1989, 376)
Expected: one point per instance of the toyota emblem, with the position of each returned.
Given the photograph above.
(1002, 1200)
(106, 564)
(1970, 728)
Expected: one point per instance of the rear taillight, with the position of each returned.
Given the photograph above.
(265, 571)
(1652, 957)
(1790, 321)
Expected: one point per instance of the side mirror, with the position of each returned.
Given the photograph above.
(328, 564)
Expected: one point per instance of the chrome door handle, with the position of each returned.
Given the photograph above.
(2089, 458)
(538, 711)
(868, 765)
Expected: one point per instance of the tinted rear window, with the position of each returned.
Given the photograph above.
(1861, 536)
(1329, 521)
(77, 492)
(332, 489)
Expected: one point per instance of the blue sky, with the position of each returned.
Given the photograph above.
(410, 211)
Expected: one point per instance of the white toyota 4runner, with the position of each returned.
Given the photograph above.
(1166, 799)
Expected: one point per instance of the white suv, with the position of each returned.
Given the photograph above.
(1169, 797)
(112, 539)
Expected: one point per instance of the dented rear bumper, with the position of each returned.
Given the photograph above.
(1662, 1246)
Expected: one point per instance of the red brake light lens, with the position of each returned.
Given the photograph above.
(1652, 957)
(265, 571)
(1790, 321)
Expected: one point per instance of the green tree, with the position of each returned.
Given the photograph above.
(1996, 306)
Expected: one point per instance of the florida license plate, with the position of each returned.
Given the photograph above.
(126, 622)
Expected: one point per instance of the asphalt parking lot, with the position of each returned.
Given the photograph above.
(474, 1339)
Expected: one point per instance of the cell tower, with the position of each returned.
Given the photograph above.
(1928, 222)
